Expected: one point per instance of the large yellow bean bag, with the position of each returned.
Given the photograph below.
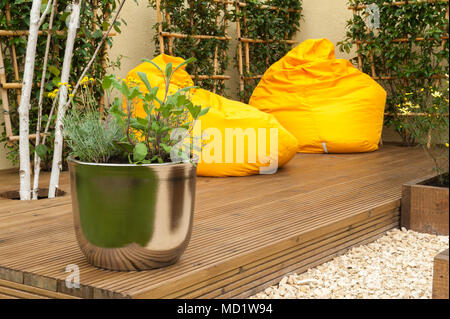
(326, 103)
(239, 139)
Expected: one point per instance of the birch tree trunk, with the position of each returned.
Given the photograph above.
(37, 159)
(24, 107)
(58, 142)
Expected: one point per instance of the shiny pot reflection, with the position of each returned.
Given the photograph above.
(132, 217)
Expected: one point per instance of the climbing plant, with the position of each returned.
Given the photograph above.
(266, 26)
(266, 29)
(195, 29)
(93, 21)
(407, 53)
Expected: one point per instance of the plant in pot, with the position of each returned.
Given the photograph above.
(133, 178)
(425, 206)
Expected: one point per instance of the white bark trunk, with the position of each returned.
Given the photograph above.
(37, 159)
(58, 143)
(24, 107)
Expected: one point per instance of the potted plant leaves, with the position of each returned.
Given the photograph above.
(425, 206)
(133, 178)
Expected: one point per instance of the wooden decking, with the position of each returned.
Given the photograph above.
(248, 232)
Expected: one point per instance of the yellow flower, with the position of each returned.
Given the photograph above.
(51, 95)
(91, 79)
(60, 83)
(436, 94)
(422, 89)
(446, 145)
(71, 95)
(84, 80)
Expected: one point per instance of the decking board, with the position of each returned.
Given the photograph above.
(248, 232)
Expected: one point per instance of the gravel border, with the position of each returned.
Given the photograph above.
(397, 265)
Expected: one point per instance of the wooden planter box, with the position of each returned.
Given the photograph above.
(440, 276)
(425, 208)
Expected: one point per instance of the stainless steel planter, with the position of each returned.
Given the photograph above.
(132, 217)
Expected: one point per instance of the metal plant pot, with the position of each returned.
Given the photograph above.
(132, 217)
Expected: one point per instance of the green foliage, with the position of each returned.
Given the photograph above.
(412, 64)
(165, 131)
(430, 129)
(197, 18)
(90, 137)
(89, 35)
(264, 24)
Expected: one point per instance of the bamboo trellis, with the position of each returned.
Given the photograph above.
(17, 85)
(164, 18)
(444, 38)
(244, 42)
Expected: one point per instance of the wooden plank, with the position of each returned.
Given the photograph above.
(4, 96)
(259, 252)
(264, 283)
(398, 3)
(19, 293)
(425, 208)
(299, 264)
(21, 33)
(302, 249)
(2, 296)
(240, 225)
(34, 290)
(441, 276)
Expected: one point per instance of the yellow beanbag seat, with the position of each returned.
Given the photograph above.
(234, 133)
(326, 103)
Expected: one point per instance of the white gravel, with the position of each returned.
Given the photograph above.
(397, 265)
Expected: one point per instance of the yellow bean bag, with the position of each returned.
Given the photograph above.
(326, 103)
(239, 139)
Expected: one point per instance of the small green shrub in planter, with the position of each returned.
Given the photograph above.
(425, 205)
(133, 203)
(426, 117)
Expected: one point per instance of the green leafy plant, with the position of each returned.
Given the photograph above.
(264, 24)
(90, 137)
(206, 18)
(408, 52)
(426, 116)
(90, 133)
(162, 136)
(92, 25)
(197, 18)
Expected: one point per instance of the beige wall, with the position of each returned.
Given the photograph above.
(322, 19)
(4, 163)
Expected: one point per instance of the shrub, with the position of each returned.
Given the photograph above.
(408, 52)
